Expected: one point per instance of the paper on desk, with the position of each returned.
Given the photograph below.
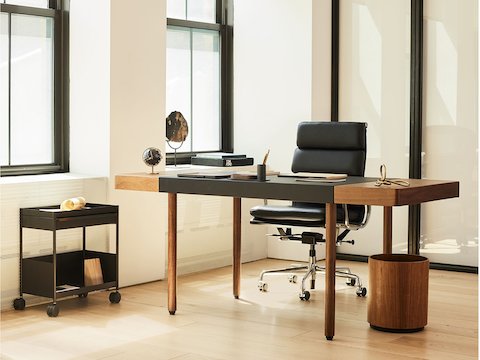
(309, 175)
(320, 180)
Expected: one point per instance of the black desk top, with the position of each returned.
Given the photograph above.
(278, 188)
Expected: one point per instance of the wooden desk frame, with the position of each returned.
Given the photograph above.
(360, 191)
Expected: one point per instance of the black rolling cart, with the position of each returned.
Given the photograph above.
(60, 275)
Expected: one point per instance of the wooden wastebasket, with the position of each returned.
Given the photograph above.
(398, 300)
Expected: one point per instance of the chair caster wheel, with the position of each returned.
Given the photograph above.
(362, 291)
(292, 279)
(19, 304)
(262, 286)
(82, 295)
(351, 282)
(53, 310)
(305, 296)
(114, 297)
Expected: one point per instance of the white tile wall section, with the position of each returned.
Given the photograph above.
(19, 193)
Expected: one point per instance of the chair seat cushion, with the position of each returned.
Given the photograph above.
(303, 214)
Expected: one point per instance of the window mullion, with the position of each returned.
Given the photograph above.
(191, 90)
(9, 88)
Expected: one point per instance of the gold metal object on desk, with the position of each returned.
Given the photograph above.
(384, 181)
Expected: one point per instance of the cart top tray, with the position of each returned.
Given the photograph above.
(52, 218)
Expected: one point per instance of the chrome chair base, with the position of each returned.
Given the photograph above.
(312, 269)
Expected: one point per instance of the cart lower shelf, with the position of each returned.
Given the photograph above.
(38, 277)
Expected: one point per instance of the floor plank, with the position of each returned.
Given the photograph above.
(210, 324)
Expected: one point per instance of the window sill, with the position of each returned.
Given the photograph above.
(8, 180)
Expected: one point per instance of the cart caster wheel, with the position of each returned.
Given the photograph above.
(362, 292)
(351, 282)
(305, 296)
(262, 286)
(292, 279)
(53, 310)
(19, 304)
(82, 295)
(115, 297)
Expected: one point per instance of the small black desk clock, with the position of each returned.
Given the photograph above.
(152, 157)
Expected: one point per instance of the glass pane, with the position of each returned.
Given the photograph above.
(33, 3)
(375, 88)
(206, 90)
(4, 89)
(179, 78)
(450, 129)
(201, 10)
(177, 9)
(31, 113)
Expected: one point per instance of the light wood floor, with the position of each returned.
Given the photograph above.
(211, 324)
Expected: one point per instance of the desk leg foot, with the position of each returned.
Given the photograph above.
(329, 337)
(236, 297)
(172, 312)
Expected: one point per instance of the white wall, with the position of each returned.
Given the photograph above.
(89, 86)
(272, 76)
(137, 110)
(272, 86)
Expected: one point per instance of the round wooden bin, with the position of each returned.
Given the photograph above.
(398, 299)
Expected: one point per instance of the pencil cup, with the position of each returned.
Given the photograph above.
(261, 172)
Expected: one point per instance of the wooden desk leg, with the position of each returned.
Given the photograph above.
(330, 224)
(172, 253)
(237, 245)
(387, 229)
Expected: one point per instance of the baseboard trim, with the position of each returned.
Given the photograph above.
(433, 265)
(458, 268)
(352, 257)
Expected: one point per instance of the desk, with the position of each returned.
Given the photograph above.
(355, 190)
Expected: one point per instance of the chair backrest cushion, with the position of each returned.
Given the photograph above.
(331, 147)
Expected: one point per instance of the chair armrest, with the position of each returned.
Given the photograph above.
(364, 222)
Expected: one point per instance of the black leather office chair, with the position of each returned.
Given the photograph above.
(322, 147)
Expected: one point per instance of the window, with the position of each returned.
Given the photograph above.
(199, 48)
(33, 105)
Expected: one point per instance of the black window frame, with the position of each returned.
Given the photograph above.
(59, 11)
(224, 25)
